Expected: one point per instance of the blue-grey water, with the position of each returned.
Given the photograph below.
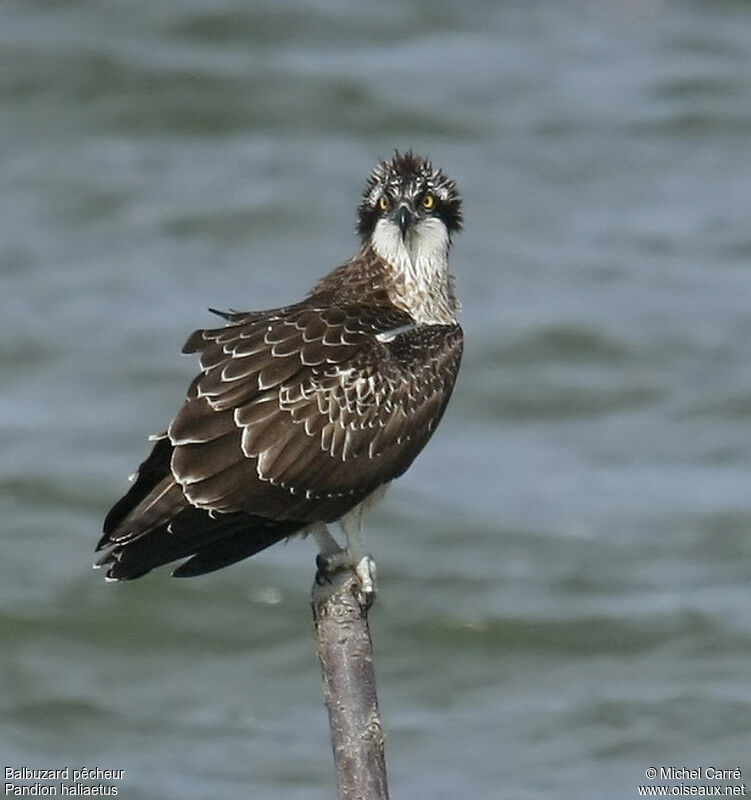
(565, 573)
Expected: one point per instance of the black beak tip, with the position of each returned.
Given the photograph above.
(404, 218)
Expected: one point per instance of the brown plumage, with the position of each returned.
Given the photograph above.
(298, 414)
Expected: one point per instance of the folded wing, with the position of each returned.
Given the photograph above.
(303, 412)
(298, 414)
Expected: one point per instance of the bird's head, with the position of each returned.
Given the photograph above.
(407, 200)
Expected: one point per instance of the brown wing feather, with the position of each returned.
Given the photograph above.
(302, 412)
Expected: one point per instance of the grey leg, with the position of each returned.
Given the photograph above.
(327, 544)
(352, 528)
(363, 563)
(330, 554)
(332, 557)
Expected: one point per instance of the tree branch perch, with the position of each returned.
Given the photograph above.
(345, 651)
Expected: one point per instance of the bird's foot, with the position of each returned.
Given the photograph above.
(328, 564)
(364, 568)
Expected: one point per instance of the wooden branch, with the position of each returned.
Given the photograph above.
(345, 650)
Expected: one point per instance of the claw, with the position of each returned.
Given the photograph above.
(323, 570)
(364, 569)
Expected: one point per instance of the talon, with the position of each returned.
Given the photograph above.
(322, 577)
(365, 571)
(326, 566)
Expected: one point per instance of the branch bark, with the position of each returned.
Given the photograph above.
(345, 650)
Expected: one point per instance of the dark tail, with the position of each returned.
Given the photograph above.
(213, 541)
(154, 524)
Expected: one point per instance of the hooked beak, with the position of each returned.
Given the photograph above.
(404, 218)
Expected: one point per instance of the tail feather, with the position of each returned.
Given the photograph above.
(164, 544)
(155, 524)
(231, 549)
(160, 506)
(154, 470)
(221, 539)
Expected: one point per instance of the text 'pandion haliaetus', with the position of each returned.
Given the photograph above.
(302, 415)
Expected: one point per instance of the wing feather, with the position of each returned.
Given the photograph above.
(198, 422)
(195, 462)
(301, 413)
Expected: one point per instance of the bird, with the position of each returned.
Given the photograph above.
(302, 415)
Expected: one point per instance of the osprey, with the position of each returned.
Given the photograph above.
(302, 415)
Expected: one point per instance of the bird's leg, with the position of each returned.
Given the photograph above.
(327, 544)
(332, 558)
(363, 563)
(330, 554)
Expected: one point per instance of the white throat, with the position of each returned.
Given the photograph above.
(422, 286)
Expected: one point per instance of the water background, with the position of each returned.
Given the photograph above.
(564, 573)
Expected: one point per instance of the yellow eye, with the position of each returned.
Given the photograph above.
(384, 203)
(428, 202)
